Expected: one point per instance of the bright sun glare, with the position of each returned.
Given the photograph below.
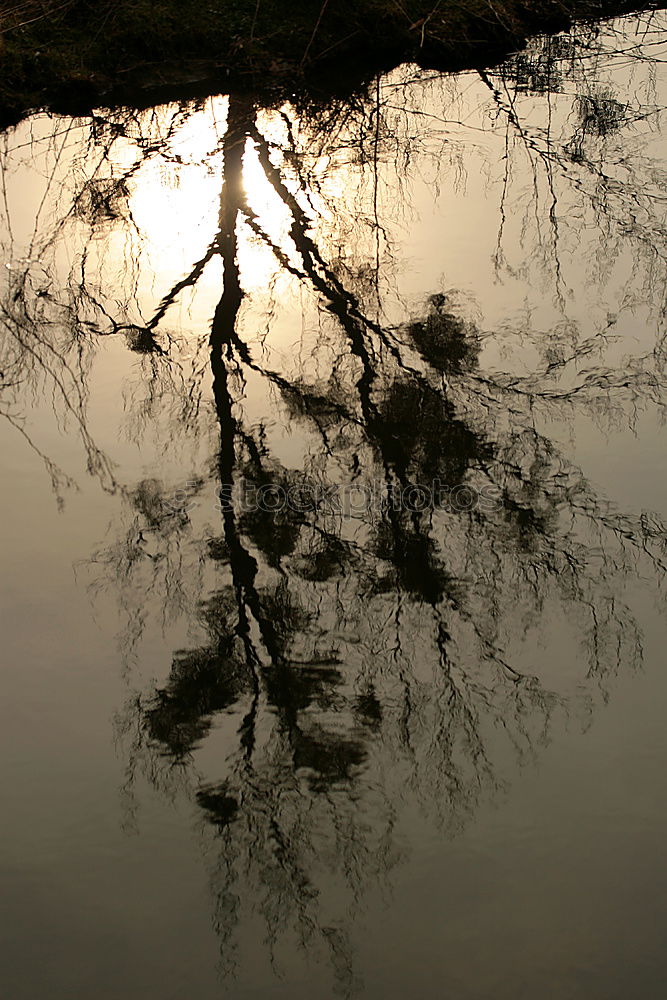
(175, 203)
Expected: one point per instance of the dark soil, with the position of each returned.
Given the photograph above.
(71, 56)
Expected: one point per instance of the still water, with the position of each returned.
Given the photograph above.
(333, 539)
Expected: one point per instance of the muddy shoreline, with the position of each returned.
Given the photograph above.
(64, 63)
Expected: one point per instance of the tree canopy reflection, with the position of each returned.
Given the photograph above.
(369, 612)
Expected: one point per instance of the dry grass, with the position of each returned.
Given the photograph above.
(20, 15)
(71, 54)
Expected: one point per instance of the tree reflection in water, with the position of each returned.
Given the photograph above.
(370, 612)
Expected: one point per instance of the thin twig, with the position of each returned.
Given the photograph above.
(312, 37)
(254, 21)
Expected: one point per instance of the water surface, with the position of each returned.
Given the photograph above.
(333, 539)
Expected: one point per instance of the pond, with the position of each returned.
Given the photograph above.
(333, 533)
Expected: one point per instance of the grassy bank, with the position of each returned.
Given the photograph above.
(71, 55)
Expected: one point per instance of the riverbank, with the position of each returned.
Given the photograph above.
(73, 55)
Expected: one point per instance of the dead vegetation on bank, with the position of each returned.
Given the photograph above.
(71, 55)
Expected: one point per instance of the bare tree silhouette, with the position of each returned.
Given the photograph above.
(366, 599)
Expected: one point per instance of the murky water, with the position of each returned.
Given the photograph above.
(333, 540)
